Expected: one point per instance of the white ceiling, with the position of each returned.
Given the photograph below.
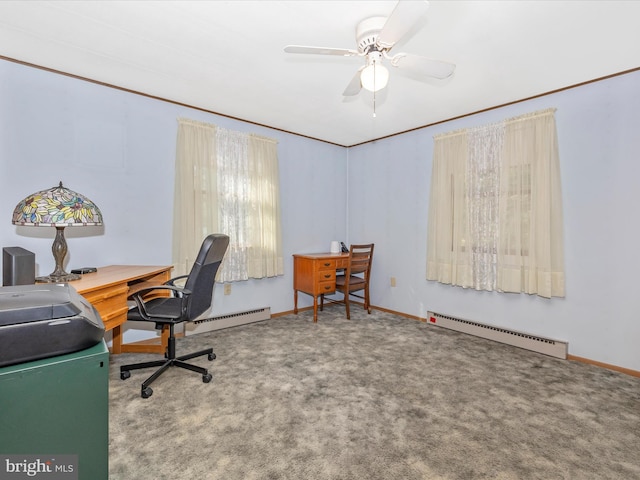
(227, 56)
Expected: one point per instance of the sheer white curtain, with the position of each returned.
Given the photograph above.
(483, 189)
(227, 182)
(495, 213)
(233, 185)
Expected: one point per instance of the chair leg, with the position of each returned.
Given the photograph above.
(366, 300)
(138, 366)
(346, 305)
(208, 351)
(155, 375)
(188, 366)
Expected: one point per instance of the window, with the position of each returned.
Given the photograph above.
(495, 214)
(227, 182)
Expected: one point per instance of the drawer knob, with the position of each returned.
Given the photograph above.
(327, 264)
(327, 276)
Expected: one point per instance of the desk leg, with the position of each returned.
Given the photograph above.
(315, 305)
(116, 340)
(315, 309)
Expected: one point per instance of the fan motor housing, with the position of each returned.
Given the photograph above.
(367, 33)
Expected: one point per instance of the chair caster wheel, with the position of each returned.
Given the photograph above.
(125, 374)
(146, 392)
(211, 357)
(207, 378)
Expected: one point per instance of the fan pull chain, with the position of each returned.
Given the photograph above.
(374, 88)
(374, 104)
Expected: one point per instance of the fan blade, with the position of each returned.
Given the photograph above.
(401, 20)
(423, 66)
(343, 52)
(354, 85)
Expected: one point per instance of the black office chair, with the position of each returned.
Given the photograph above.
(185, 304)
(355, 277)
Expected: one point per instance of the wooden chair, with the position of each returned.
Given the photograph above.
(355, 277)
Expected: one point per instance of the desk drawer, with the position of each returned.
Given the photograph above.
(328, 264)
(342, 263)
(325, 280)
(110, 302)
(326, 287)
(114, 318)
(326, 276)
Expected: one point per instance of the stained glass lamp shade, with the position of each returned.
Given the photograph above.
(57, 207)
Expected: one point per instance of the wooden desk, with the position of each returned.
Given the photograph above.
(107, 290)
(315, 274)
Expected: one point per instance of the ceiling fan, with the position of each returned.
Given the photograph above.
(375, 37)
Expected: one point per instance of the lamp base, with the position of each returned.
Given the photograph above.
(67, 277)
(59, 249)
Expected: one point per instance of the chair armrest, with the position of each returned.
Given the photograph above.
(174, 289)
(172, 281)
(137, 297)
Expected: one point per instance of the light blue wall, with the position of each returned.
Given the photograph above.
(599, 144)
(118, 149)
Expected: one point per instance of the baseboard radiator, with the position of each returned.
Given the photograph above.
(228, 320)
(554, 348)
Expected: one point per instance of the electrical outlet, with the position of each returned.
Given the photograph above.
(227, 289)
(393, 281)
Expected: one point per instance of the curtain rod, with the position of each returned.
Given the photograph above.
(525, 116)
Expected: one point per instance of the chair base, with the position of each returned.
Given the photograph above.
(146, 391)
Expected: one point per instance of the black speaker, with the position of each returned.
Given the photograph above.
(18, 266)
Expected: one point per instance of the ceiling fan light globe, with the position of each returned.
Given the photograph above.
(374, 77)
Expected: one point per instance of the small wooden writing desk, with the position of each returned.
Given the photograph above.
(107, 290)
(315, 274)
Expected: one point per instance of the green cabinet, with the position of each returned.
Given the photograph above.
(60, 406)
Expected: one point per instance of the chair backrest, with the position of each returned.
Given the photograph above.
(202, 276)
(360, 258)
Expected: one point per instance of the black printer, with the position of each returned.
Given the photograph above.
(45, 320)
